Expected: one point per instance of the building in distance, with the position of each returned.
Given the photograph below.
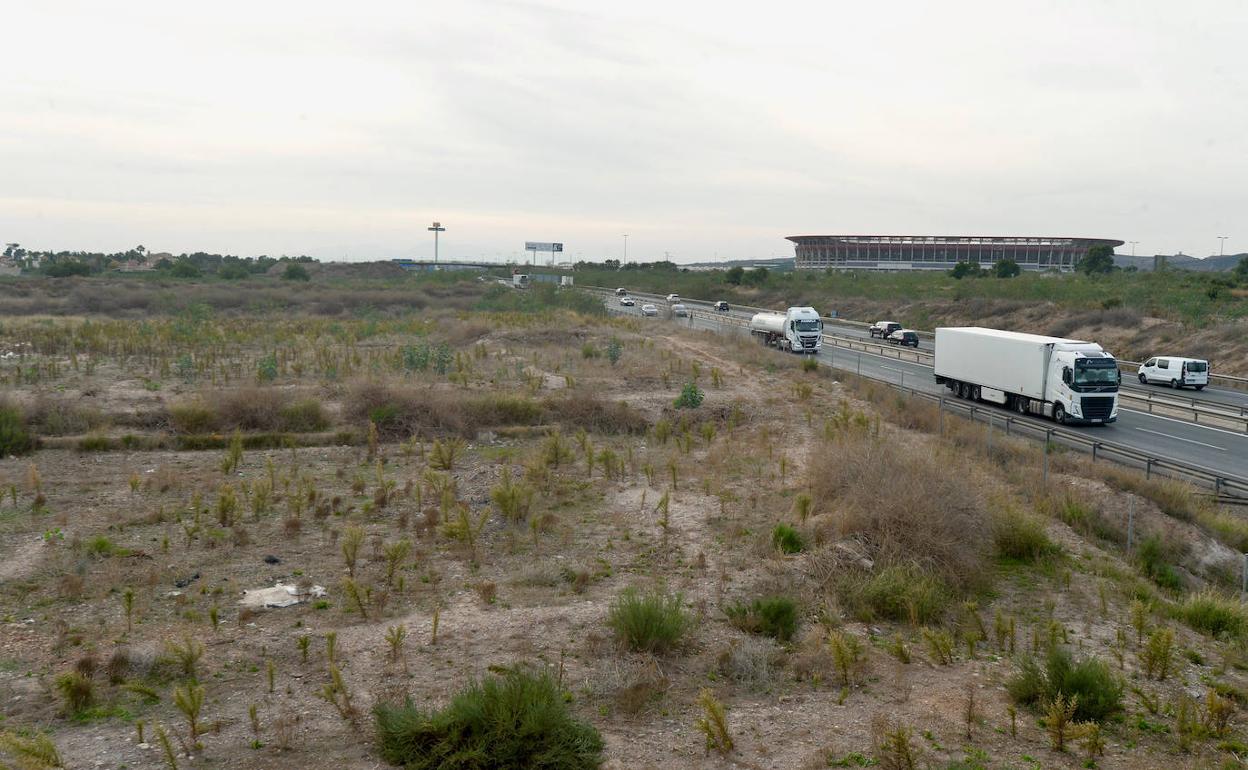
(939, 252)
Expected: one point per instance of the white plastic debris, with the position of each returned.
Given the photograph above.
(280, 595)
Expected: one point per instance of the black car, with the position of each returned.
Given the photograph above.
(904, 337)
(721, 306)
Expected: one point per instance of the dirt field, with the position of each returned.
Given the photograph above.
(127, 542)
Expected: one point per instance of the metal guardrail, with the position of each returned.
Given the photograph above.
(1223, 486)
(1234, 381)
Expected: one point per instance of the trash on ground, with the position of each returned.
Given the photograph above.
(280, 595)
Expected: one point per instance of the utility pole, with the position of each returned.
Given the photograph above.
(625, 249)
(435, 229)
(1222, 245)
(1133, 247)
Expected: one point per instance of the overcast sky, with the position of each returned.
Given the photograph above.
(341, 130)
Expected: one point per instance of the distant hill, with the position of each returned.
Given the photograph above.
(773, 263)
(1183, 262)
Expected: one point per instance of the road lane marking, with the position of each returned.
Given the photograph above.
(1188, 423)
(1178, 438)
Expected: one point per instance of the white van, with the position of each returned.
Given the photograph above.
(1175, 372)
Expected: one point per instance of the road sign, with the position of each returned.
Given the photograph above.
(543, 246)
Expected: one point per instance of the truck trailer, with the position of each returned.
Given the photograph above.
(798, 330)
(1071, 381)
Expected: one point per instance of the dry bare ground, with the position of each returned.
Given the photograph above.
(905, 536)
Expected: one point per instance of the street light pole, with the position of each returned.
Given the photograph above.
(1133, 247)
(625, 248)
(1222, 245)
(435, 229)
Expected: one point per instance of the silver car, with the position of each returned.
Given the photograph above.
(680, 311)
(627, 301)
(649, 310)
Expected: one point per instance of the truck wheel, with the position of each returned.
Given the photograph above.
(1059, 414)
(974, 392)
(1020, 405)
(1174, 384)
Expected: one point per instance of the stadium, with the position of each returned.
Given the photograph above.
(935, 252)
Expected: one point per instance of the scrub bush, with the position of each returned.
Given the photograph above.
(512, 721)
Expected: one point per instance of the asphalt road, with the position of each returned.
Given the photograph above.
(1211, 396)
(1215, 449)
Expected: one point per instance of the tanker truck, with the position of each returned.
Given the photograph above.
(798, 330)
(1071, 381)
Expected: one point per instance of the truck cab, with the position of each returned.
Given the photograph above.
(798, 330)
(1084, 387)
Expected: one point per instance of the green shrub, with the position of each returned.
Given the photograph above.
(810, 365)
(15, 439)
(690, 397)
(787, 539)
(1214, 614)
(1020, 536)
(774, 616)
(295, 272)
(518, 720)
(1098, 690)
(94, 443)
(306, 415)
(192, 417)
(650, 622)
(1153, 561)
(77, 690)
(904, 593)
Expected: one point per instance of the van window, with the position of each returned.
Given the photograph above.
(1197, 366)
(1163, 363)
(1151, 362)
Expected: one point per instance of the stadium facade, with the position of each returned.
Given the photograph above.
(937, 252)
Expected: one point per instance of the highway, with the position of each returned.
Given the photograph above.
(1236, 400)
(1215, 449)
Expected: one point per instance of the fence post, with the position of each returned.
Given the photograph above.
(1130, 523)
(1048, 432)
(989, 433)
(941, 401)
(1148, 467)
(860, 363)
(1095, 444)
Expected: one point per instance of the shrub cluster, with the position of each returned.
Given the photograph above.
(15, 439)
(774, 616)
(248, 410)
(513, 721)
(1098, 692)
(648, 622)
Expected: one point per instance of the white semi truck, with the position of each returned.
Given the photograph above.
(798, 330)
(1071, 381)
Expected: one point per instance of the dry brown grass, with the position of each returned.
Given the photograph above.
(908, 507)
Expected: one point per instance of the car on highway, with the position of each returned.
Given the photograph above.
(621, 292)
(721, 306)
(649, 310)
(904, 337)
(1175, 372)
(882, 329)
(627, 301)
(680, 311)
(673, 298)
